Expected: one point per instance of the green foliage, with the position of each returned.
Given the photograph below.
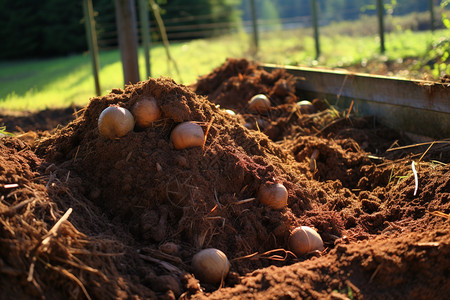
(3, 132)
(61, 82)
(438, 56)
(50, 28)
(268, 11)
(31, 28)
(346, 291)
(445, 19)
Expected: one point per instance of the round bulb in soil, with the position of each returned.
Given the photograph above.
(306, 107)
(230, 112)
(274, 195)
(210, 265)
(259, 103)
(304, 240)
(115, 122)
(146, 111)
(186, 135)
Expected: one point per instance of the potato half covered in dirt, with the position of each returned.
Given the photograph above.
(115, 122)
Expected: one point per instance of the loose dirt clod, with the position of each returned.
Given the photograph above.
(132, 197)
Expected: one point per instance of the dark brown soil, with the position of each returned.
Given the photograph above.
(126, 199)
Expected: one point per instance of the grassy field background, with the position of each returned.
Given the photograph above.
(64, 81)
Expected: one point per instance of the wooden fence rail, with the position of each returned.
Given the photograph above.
(127, 28)
(416, 106)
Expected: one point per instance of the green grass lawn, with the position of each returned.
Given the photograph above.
(64, 81)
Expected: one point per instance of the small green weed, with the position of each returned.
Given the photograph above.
(346, 291)
(3, 132)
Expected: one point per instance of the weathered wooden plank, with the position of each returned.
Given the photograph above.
(420, 107)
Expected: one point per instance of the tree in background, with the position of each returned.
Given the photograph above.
(199, 18)
(31, 28)
(340, 10)
(267, 10)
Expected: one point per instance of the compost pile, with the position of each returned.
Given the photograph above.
(83, 216)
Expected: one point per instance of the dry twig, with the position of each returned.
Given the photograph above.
(169, 267)
(267, 255)
(53, 232)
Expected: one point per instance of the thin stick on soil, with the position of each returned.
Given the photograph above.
(217, 198)
(440, 214)
(353, 287)
(207, 131)
(169, 267)
(18, 206)
(156, 254)
(349, 110)
(257, 126)
(80, 265)
(244, 201)
(71, 276)
(76, 153)
(375, 273)
(392, 145)
(397, 161)
(75, 112)
(53, 232)
(50, 180)
(258, 255)
(426, 151)
(329, 125)
(418, 145)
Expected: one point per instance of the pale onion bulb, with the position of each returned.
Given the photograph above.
(210, 265)
(187, 134)
(304, 239)
(230, 112)
(259, 103)
(115, 122)
(274, 195)
(146, 111)
(306, 107)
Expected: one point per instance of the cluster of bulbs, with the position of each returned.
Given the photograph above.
(115, 122)
(209, 265)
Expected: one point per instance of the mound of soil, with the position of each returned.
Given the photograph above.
(87, 217)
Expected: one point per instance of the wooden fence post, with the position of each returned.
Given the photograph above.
(145, 33)
(255, 26)
(91, 36)
(127, 30)
(431, 4)
(380, 10)
(316, 26)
